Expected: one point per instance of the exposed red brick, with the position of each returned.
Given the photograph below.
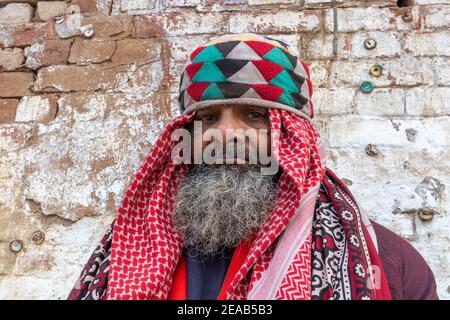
(86, 5)
(147, 27)
(46, 10)
(15, 84)
(135, 51)
(47, 53)
(93, 6)
(91, 51)
(8, 109)
(11, 59)
(81, 78)
(25, 35)
(120, 26)
(52, 113)
(3, 2)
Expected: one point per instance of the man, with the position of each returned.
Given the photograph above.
(210, 221)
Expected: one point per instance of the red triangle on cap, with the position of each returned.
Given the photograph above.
(267, 91)
(196, 89)
(196, 52)
(268, 69)
(193, 68)
(261, 48)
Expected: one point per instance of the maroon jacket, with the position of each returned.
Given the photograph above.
(409, 276)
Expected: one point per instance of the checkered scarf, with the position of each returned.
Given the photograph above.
(316, 244)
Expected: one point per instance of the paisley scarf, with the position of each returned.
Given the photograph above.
(315, 244)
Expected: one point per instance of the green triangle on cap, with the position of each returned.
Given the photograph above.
(284, 80)
(209, 72)
(276, 55)
(212, 92)
(210, 53)
(285, 98)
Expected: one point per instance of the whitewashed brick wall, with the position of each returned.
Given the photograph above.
(79, 112)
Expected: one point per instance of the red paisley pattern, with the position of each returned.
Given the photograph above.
(146, 248)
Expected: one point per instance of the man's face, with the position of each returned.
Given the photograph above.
(238, 125)
(218, 205)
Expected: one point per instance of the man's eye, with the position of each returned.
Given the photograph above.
(207, 118)
(256, 115)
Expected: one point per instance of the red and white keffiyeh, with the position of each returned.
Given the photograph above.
(316, 244)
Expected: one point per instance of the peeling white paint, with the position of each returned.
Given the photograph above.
(32, 108)
(67, 178)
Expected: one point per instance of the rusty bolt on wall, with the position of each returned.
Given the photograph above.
(371, 150)
(425, 214)
(376, 70)
(370, 44)
(87, 30)
(38, 237)
(407, 16)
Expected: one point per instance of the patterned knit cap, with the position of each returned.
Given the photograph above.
(246, 69)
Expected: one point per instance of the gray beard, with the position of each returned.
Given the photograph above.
(217, 206)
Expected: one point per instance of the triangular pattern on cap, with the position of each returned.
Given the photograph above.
(305, 90)
(196, 89)
(226, 47)
(229, 67)
(299, 69)
(261, 48)
(232, 89)
(284, 80)
(268, 92)
(193, 68)
(212, 92)
(195, 52)
(248, 74)
(246, 65)
(251, 93)
(188, 100)
(209, 72)
(285, 98)
(268, 69)
(243, 52)
(277, 55)
(300, 100)
(298, 80)
(185, 81)
(210, 53)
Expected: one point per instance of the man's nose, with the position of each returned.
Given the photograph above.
(231, 130)
(228, 122)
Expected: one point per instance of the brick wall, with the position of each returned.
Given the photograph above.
(86, 86)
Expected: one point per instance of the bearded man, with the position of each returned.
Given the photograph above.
(213, 226)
